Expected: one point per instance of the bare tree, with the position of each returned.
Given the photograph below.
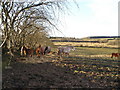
(20, 20)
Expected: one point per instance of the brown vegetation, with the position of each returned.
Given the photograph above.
(100, 43)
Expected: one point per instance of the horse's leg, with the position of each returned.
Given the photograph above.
(67, 54)
(25, 53)
(21, 53)
(31, 55)
(38, 55)
(118, 55)
(45, 50)
(59, 52)
(112, 56)
(42, 52)
(32, 52)
(37, 52)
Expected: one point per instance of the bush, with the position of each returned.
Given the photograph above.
(103, 41)
(113, 42)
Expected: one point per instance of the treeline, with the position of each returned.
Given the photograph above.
(110, 40)
(91, 37)
(73, 41)
(28, 22)
(104, 37)
(62, 37)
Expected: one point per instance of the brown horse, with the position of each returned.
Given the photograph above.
(38, 50)
(26, 51)
(42, 50)
(115, 55)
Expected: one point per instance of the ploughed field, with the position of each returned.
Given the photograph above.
(83, 68)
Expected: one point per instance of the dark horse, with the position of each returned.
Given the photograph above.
(26, 51)
(43, 50)
(115, 55)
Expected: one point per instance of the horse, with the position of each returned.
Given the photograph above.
(38, 50)
(26, 51)
(65, 50)
(23, 51)
(43, 50)
(47, 50)
(115, 55)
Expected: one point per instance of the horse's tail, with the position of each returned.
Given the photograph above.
(21, 51)
(45, 50)
(59, 52)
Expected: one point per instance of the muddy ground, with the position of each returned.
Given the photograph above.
(44, 72)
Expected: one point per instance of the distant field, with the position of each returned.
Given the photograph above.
(94, 51)
(88, 42)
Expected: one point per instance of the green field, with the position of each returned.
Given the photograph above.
(95, 64)
(94, 51)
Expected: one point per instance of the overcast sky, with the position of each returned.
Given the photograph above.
(92, 18)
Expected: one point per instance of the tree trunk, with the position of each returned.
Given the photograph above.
(9, 47)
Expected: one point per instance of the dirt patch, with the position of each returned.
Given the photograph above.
(44, 73)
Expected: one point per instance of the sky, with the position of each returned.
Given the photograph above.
(92, 18)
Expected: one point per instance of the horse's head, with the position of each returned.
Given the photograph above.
(72, 48)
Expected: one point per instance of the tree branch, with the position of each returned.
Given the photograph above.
(35, 5)
(3, 42)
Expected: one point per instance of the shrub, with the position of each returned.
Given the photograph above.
(103, 40)
(113, 42)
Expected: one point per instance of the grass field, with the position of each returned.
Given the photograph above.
(91, 64)
(95, 63)
(93, 60)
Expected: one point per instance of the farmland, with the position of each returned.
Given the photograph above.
(88, 42)
(94, 64)
(86, 67)
(93, 60)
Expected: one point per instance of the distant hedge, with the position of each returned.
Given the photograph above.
(114, 42)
